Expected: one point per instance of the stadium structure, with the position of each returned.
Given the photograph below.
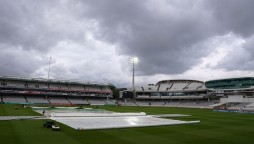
(222, 93)
(169, 89)
(49, 91)
(180, 92)
(233, 91)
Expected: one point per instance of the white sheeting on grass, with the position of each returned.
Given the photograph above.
(90, 119)
(90, 123)
(102, 114)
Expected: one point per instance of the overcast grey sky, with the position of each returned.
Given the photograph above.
(92, 40)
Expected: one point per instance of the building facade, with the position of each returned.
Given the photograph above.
(15, 87)
(168, 90)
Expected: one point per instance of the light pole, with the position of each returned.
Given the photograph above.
(49, 66)
(48, 74)
(133, 60)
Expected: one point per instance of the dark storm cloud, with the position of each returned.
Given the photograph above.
(20, 24)
(27, 25)
(241, 58)
(15, 61)
(166, 42)
(169, 37)
(36, 25)
(234, 15)
(24, 36)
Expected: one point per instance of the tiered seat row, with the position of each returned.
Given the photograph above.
(58, 100)
(190, 104)
(193, 86)
(14, 99)
(51, 87)
(37, 99)
(96, 102)
(150, 88)
(78, 101)
(165, 87)
(178, 86)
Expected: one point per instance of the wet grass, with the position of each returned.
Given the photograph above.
(215, 127)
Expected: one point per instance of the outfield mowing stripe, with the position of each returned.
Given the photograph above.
(7, 133)
(16, 110)
(215, 127)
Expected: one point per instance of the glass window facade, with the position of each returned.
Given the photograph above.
(194, 93)
(233, 83)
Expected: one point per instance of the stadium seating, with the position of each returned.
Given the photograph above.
(165, 86)
(96, 101)
(193, 86)
(150, 88)
(58, 100)
(56, 86)
(78, 100)
(127, 103)
(189, 104)
(142, 96)
(178, 86)
(77, 87)
(14, 99)
(237, 106)
(91, 88)
(37, 99)
(139, 89)
(105, 89)
(201, 86)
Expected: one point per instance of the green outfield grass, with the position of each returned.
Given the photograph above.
(214, 128)
(16, 110)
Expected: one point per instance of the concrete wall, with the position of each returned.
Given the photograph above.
(236, 98)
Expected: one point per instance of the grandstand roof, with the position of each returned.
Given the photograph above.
(231, 83)
(50, 80)
(236, 78)
(178, 80)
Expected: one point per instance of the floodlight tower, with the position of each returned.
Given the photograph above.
(133, 60)
(49, 66)
(48, 74)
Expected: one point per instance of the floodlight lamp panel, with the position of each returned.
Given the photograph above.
(134, 60)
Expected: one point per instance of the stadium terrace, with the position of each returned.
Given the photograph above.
(43, 91)
(227, 93)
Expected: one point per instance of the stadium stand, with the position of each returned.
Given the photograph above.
(178, 86)
(50, 91)
(169, 89)
(193, 86)
(250, 105)
(14, 99)
(92, 88)
(59, 100)
(37, 99)
(237, 106)
(150, 88)
(169, 103)
(127, 103)
(232, 90)
(78, 101)
(165, 87)
(96, 101)
(77, 87)
(232, 93)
